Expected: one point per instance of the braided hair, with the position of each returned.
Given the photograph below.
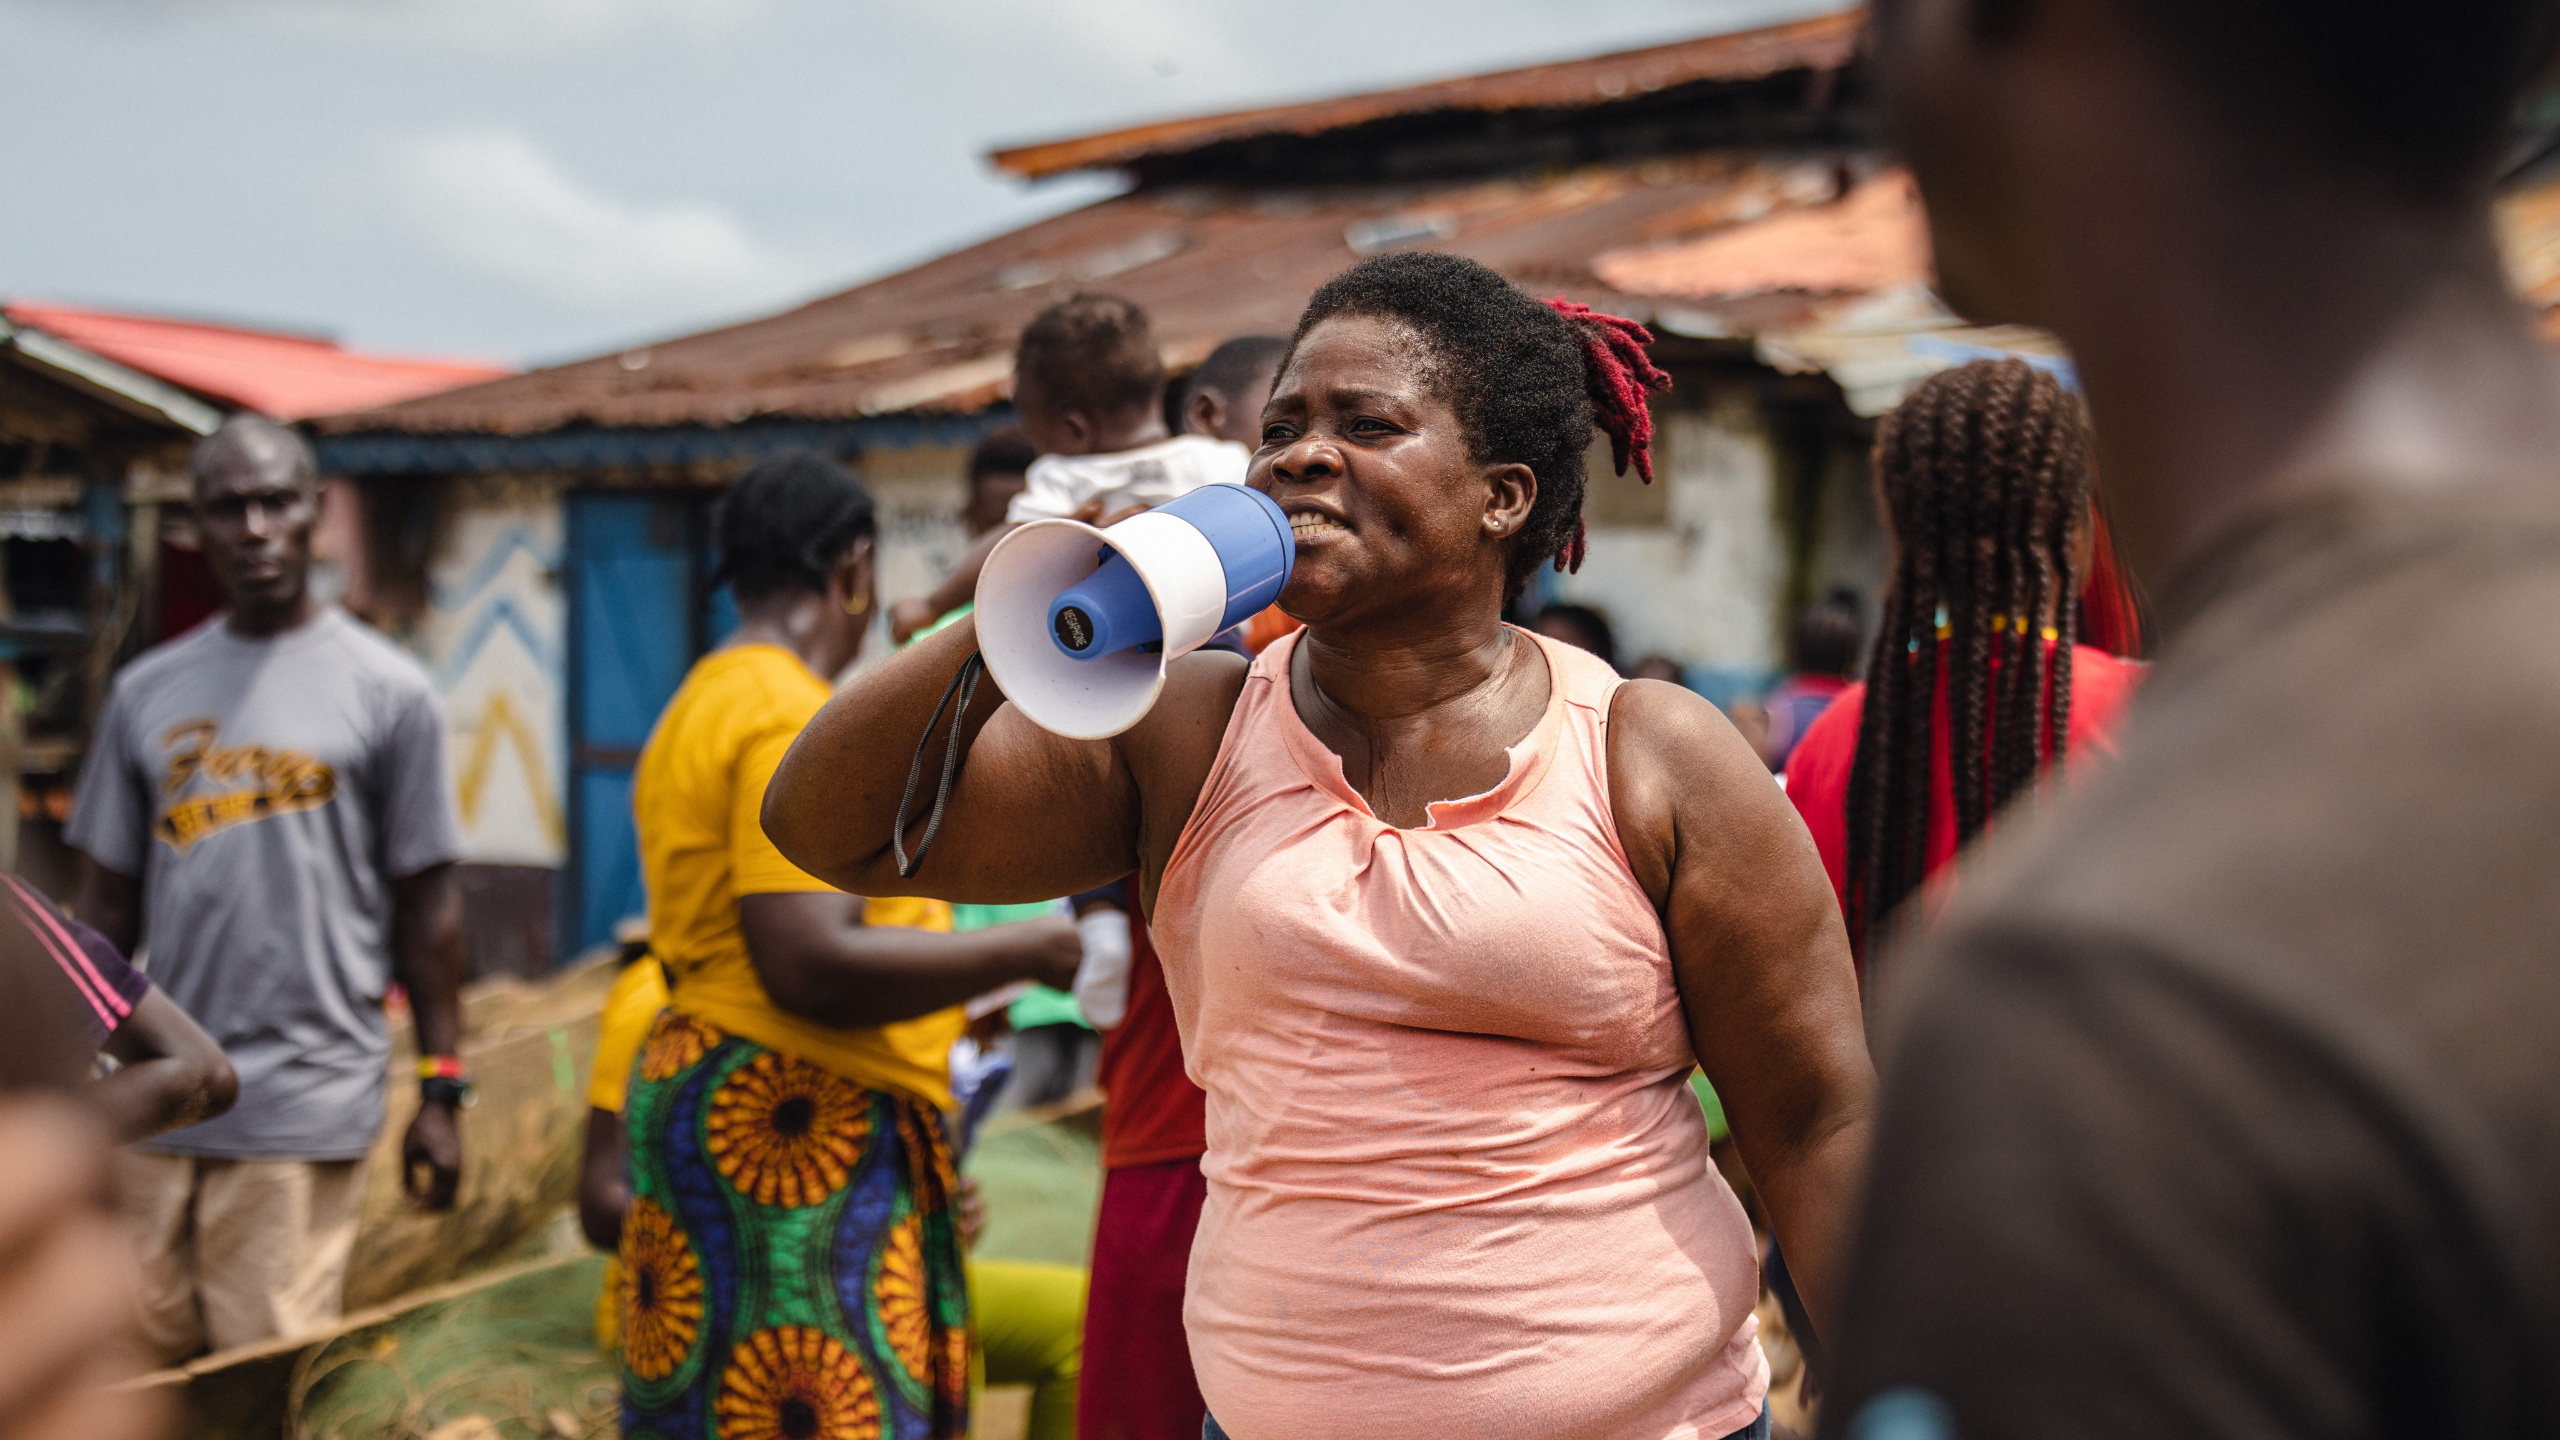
(1984, 472)
(1529, 380)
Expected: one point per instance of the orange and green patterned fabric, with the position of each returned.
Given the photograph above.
(790, 1261)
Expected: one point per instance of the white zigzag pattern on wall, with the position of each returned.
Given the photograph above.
(493, 641)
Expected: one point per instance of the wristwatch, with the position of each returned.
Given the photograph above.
(443, 1081)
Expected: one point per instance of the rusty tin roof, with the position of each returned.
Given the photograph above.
(1825, 42)
(1207, 265)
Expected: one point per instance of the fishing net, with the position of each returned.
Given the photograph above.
(514, 1359)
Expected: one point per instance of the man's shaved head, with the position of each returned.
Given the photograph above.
(257, 499)
(253, 445)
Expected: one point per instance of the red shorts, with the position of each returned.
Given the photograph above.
(1137, 1382)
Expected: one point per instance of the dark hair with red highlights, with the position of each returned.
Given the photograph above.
(1528, 379)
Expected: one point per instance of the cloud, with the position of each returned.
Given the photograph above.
(490, 26)
(1120, 42)
(491, 200)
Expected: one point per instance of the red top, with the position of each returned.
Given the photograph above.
(1153, 1113)
(1818, 771)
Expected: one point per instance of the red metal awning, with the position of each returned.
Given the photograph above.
(289, 377)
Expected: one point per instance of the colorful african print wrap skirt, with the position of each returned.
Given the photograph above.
(791, 1261)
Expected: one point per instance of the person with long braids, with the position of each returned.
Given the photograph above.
(1447, 912)
(1984, 475)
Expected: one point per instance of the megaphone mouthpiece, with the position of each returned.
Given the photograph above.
(1106, 612)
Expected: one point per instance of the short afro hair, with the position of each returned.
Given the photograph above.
(1233, 367)
(1004, 451)
(1521, 374)
(787, 521)
(1091, 352)
(1827, 636)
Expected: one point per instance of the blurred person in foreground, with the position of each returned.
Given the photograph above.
(1090, 385)
(1822, 652)
(67, 1279)
(2222, 1103)
(168, 1073)
(1984, 476)
(790, 1249)
(267, 806)
(68, 1282)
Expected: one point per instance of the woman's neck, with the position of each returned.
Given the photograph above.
(1372, 677)
(796, 623)
(1424, 718)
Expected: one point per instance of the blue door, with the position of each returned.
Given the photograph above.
(635, 623)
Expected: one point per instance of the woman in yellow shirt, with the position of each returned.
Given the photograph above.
(790, 1255)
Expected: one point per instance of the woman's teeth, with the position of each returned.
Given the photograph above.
(1301, 526)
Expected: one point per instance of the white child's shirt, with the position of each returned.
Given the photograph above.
(1059, 485)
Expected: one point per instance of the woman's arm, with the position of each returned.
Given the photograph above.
(1032, 816)
(820, 962)
(172, 1073)
(1762, 961)
(604, 1191)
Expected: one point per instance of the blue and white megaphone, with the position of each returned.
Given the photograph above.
(1078, 623)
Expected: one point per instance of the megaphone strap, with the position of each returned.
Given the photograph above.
(965, 683)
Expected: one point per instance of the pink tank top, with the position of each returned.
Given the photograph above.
(1457, 1182)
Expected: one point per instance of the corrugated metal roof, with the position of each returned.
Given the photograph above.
(1206, 264)
(120, 386)
(1874, 238)
(1823, 43)
(289, 377)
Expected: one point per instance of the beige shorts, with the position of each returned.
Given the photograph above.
(237, 1251)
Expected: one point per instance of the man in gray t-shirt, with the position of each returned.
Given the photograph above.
(266, 807)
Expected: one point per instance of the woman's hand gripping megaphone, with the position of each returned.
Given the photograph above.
(1077, 622)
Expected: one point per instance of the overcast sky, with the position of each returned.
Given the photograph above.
(535, 180)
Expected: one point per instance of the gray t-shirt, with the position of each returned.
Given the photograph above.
(267, 792)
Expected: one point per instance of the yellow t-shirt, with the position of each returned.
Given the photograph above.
(698, 797)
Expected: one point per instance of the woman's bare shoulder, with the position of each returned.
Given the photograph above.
(1675, 760)
(1175, 744)
(1171, 752)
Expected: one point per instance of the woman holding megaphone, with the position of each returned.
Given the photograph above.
(1447, 913)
